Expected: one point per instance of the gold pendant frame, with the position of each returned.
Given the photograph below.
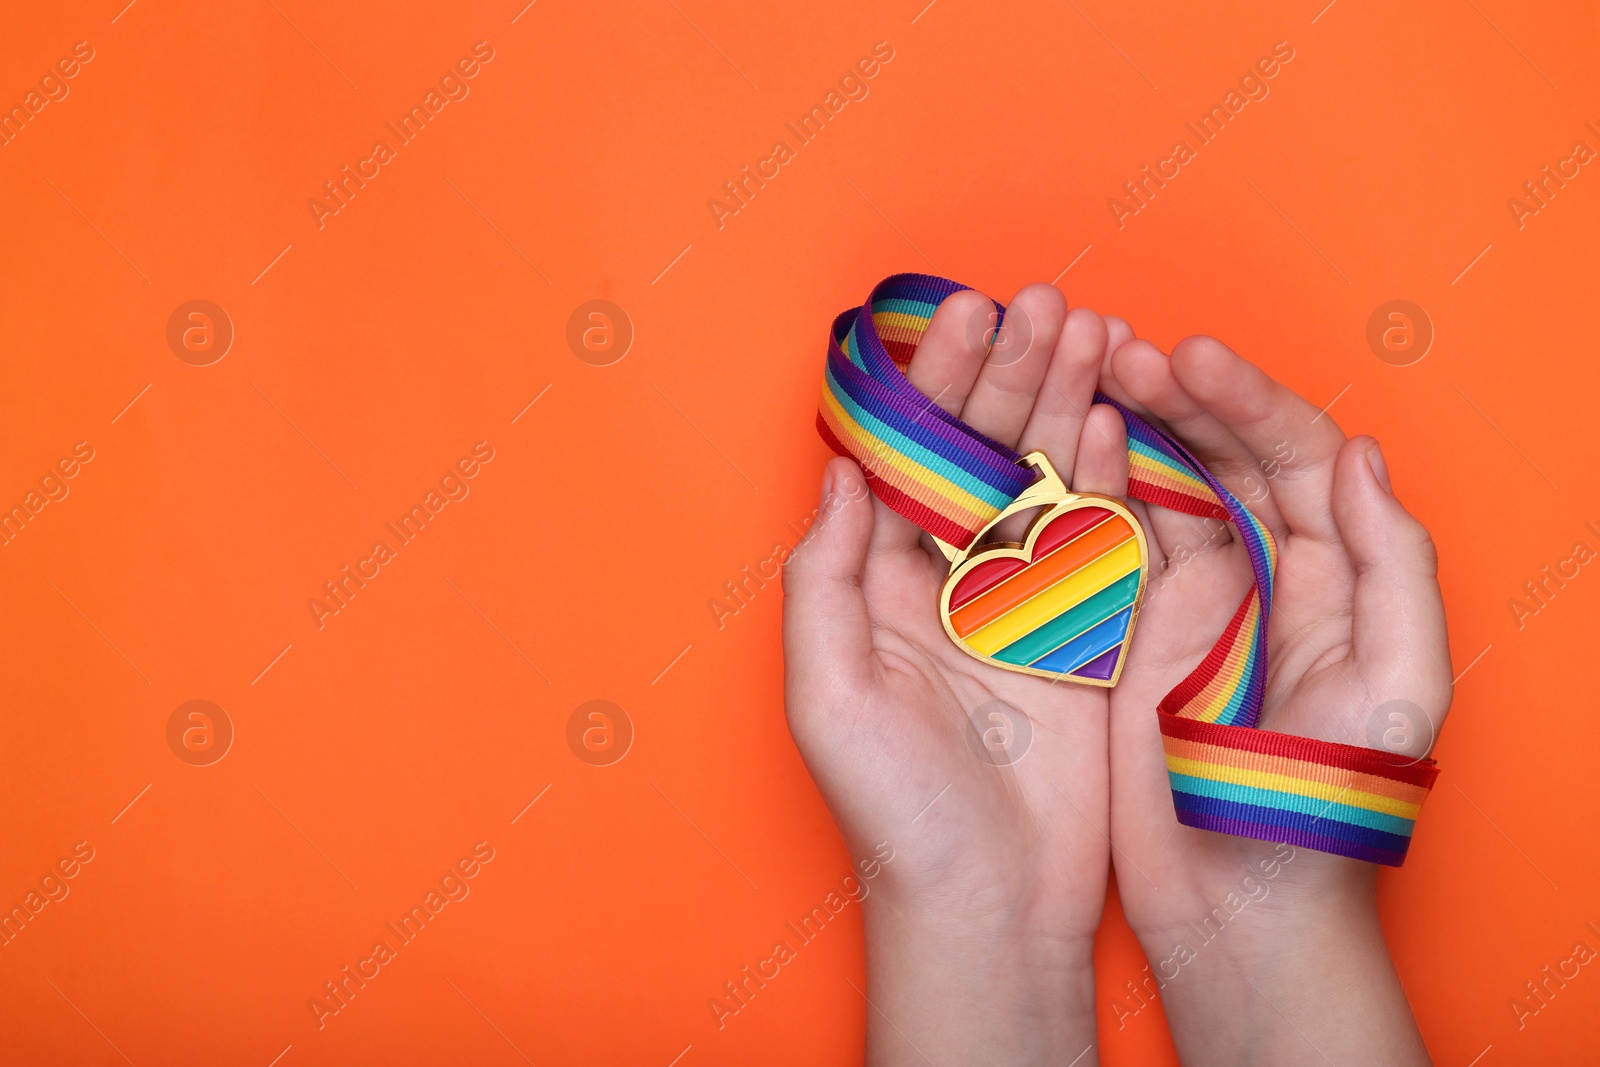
(1050, 493)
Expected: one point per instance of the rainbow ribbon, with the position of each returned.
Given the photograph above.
(1227, 775)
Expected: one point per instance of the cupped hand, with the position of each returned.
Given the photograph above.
(1000, 851)
(1357, 655)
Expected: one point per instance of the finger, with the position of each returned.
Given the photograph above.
(1067, 392)
(1056, 422)
(1102, 465)
(1169, 532)
(951, 352)
(943, 369)
(827, 634)
(1294, 442)
(1118, 333)
(1147, 375)
(1397, 624)
(1008, 383)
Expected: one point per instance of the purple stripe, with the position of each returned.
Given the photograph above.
(1254, 684)
(885, 392)
(1266, 815)
(1101, 667)
(1290, 836)
(915, 419)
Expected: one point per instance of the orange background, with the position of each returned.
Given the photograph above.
(425, 316)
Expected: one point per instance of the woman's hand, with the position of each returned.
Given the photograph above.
(1267, 953)
(980, 932)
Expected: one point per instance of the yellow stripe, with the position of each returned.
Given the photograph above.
(905, 474)
(899, 325)
(1076, 587)
(1306, 770)
(1149, 470)
(1281, 783)
(1211, 701)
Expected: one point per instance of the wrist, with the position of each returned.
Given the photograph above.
(977, 985)
(1295, 975)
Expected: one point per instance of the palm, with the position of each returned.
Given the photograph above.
(891, 716)
(1338, 652)
(1184, 612)
(993, 814)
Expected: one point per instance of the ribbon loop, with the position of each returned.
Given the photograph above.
(926, 464)
(1227, 774)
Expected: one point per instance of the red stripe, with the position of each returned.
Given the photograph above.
(1311, 750)
(937, 525)
(1065, 527)
(986, 575)
(1043, 573)
(1173, 500)
(991, 573)
(919, 513)
(1190, 687)
(899, 351)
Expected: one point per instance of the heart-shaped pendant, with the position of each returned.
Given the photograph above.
(1063, 603)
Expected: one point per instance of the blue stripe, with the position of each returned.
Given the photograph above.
(885, 392)
(1343, 831)
(1230, 714)
(914, 450)
(1163, 458)
(1085, 647)
(1072, 622)
(1278, 799)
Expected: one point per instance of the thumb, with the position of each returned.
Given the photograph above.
(827, 634)
(1398, 625)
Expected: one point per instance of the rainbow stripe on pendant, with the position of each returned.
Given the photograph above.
(1062, 605)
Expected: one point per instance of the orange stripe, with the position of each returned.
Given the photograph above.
(1293, 768)
(882, 464)
(1041, 574)
(1163, 478)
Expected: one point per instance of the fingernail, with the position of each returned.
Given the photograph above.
(1380, 469)
(827, 485)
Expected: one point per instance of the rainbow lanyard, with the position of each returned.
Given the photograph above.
(1227, 775)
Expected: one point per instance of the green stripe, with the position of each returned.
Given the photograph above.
(1272, 798)
(895, 441)
(1159, 458)
(922, 309)
(1072, 622)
